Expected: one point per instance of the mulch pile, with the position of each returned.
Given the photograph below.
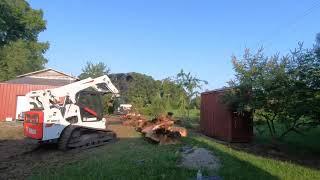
(159, 130)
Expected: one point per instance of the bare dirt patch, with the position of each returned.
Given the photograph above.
(19, 157)
(199, 158)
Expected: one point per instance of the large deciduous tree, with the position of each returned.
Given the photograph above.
(282, 91)
(20, 57)
(143, 90)
(20, 51)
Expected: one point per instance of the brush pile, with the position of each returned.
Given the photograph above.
(159, 130)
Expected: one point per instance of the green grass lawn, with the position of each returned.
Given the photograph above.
(134, 158)
(192, 122)
(127, 159)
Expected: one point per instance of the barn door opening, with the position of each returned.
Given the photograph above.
(22, 106)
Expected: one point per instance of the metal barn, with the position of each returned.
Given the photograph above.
(218, 121)
(12, 93)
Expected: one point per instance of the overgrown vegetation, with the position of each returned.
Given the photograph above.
(278, 90)
(154, 97)
(149, 96)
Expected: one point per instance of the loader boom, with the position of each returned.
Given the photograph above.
(46, 97)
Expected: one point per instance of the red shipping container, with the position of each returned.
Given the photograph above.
(218, 121)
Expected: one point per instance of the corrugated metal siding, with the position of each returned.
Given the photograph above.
(8, 97)
(218, 121)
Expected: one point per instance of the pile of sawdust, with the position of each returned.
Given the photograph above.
(199, 158)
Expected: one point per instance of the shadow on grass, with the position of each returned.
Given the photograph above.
(233, 167)
(300, 150)
(281, 151)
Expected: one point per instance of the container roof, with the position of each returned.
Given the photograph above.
(217, 90)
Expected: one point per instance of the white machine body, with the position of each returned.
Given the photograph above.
(52, 110)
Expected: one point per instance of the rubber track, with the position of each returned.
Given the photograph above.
(67, 133)
(65, 138)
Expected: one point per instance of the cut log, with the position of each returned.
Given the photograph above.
(183, 131)
(160, 130)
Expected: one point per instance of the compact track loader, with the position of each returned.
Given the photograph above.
(71, 115)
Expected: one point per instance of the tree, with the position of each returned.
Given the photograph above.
(142, 90)
(20, 57)
(158, 105)
(94, 70)
(19, 21)
(171, 92)
(191, 84)
(277, 89)
(20, 51)
(147, 94)
(196, 102)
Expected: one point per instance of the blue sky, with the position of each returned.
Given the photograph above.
(159, 38)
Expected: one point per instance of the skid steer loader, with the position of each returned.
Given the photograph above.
(71, 115)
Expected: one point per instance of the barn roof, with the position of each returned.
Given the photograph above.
(40, 81)
(46, 70)
(44, 77)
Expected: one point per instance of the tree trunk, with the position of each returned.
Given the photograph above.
(188, 113)
(273, 128)
(188, 108)
(270, 129)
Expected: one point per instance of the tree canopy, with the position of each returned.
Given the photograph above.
(94, 70)
(20, 51)
(283, 91)
(191, 85)
(148, 95)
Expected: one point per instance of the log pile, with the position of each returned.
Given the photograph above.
(159, 130)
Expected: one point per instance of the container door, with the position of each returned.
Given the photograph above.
(237, 126)
(240, 129)
(22, 106)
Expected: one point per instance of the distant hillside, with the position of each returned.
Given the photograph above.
(121, 81)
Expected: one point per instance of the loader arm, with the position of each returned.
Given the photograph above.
(46, 98)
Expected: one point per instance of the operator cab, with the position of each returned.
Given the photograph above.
(91, 107)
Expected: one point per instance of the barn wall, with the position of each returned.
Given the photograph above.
(8, 97)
